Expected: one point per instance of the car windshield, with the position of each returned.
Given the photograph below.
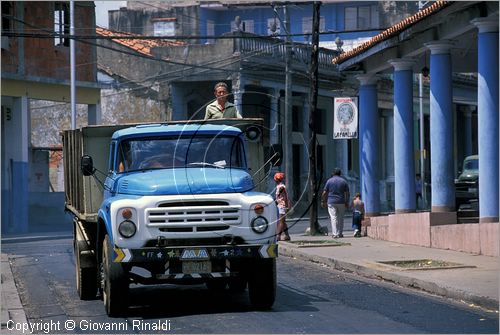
(170, 152)
(472, 164)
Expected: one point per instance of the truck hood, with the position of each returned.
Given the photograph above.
(185, 181)
(469, 176)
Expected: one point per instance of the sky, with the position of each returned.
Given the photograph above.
(102, 8)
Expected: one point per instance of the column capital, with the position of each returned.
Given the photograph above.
(367, 79)
(486, 24)
(402, 64)
(440, 47)
(466, 110)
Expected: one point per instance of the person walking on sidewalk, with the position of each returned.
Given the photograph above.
(358, 214)
(283, 204)
(336, 196)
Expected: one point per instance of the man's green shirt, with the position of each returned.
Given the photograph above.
(214, 112)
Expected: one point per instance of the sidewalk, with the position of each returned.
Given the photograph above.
(469, 278)
(11, 309)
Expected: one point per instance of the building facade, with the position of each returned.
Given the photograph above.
(459, 41)
(36, 66)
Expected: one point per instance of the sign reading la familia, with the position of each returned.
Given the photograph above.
(345, 119)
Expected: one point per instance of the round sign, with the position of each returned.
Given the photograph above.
(345, 113)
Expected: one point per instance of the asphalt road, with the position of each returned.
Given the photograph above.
(311, 299)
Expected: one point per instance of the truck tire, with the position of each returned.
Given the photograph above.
(115, 283)
(262, 284)
(86, 278)
(216, 284)
(238, 284)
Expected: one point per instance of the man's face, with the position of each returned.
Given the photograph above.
(221, 94)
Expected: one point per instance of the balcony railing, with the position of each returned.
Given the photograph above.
(262, 46)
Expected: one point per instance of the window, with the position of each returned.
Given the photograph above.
(361, 18)
(307, 24)
(247, 25)
(351, 14)
(61, 23)
(164, 27)
(210, 28)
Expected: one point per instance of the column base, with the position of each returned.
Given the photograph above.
(441, 209)
(488, 220)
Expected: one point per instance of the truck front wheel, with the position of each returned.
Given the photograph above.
(114, 282)
(262, 283)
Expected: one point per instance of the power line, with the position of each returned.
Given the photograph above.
(204, 67)
(12, 33)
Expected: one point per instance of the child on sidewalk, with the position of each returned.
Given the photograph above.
(358, 214)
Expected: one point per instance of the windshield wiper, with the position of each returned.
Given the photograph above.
(207, 164)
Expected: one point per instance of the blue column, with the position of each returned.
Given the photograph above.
(487, 114)
(441, 128)
(369, 136)
(404, 166)
(18, 132)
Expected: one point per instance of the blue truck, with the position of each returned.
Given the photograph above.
(184, 201)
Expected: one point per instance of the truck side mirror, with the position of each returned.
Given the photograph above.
(276, 154)
(87, 165)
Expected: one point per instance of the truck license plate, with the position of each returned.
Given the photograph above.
(190, 267)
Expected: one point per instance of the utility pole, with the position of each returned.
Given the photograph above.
(287, 124)
(72, 62)
(313, 99)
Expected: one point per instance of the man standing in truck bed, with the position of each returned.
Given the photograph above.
(221, 108)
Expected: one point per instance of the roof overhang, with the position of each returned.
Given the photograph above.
(452, 23)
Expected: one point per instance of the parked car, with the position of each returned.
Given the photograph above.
(467, 183)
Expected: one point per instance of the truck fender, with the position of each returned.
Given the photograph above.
(83, 245)
(106, 219)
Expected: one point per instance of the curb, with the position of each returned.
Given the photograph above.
(285, 249)
(22, 239)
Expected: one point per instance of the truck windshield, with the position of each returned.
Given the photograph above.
(472, 164)
(172, 152)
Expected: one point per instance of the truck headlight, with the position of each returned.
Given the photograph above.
(127, 229)
(259, 224)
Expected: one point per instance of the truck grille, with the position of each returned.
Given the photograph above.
(193, 216)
